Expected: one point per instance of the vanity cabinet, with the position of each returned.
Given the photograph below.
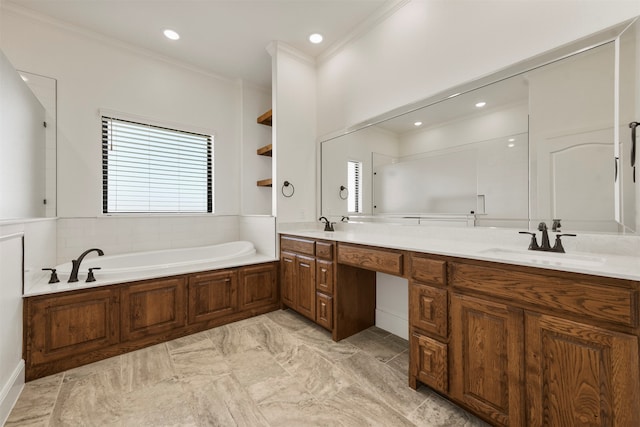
(543, 348)
(308, 275)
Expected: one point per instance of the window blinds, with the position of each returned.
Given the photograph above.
(354, 199)
(148, 168)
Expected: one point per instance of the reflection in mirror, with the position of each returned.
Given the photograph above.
(533, 147)
(22, 137)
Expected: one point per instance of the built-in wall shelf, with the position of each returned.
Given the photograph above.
(267, 150)
(265, 119)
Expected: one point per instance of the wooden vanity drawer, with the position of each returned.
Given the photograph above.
(428, 309)
(384, 261)
(429, 361)
(297, 245)
(577, 296)
(429, 270)
(324, 276)
(324, 310)
(324, 250)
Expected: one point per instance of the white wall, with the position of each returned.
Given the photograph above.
(39, 251)
(294, 130)
(94, 73)
(22, 144)
(429, 46)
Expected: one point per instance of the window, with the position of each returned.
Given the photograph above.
(152, 169)
(354, 186)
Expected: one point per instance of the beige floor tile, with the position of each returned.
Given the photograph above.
(389, 385)
(224, 402)
(319, 340)
(272, 337)
(232, 339)
(401, 363)
(254, 366)
(381, 347)
(161, 404)
(112, 363)
(146, 367)
(92, 400)
(439, 412)
(36, 402)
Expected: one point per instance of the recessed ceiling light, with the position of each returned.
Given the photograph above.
(316, 38)
(171, 35)
(511, 139)
(511, 145)
(417, 124)
(24, 78)
(481, 104)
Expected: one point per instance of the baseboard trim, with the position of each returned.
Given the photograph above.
(11, 391)
(392, 323)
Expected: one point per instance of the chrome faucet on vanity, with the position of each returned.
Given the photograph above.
(75, 264)
(546, 246)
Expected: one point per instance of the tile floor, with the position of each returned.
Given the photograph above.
(277, 369)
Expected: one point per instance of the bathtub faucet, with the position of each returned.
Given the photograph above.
(73, 277)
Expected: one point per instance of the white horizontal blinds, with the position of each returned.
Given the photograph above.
(354, 186)
(148, 168)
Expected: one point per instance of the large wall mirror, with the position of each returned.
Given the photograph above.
(549, 138)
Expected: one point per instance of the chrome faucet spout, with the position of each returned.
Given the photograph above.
(73, 277)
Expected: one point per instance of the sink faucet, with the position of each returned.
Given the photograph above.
(546, 246)
(328, 226)
(73, 277)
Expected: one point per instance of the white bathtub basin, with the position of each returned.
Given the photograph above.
(545, 258)
(123, 265)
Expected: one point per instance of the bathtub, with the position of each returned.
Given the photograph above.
(141, 263)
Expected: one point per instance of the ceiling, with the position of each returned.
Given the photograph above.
(225, 37)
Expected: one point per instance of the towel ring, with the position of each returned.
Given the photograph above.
(287, 184)
(343, 189)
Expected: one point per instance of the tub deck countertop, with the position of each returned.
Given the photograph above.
(37, 282)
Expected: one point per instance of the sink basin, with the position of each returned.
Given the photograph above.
(545, 258)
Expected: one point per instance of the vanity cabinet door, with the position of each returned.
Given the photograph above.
(306, 286)
(64, 326)
(258, 286)
(212, 295)
(487, 354)
(288, 278)
(580, 374)
(152, 308)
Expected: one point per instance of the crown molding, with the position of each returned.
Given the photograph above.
(387, 10)
(278, 46)
(115, 43)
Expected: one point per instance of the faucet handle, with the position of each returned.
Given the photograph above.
(54, 276)
(542, 226)
(557, 246)
(90, 276)
(533, 245)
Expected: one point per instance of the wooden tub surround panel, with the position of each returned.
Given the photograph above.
(515, 345)
(74, 328)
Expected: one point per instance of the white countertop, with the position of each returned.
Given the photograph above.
(39, 281)
(607, 265)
